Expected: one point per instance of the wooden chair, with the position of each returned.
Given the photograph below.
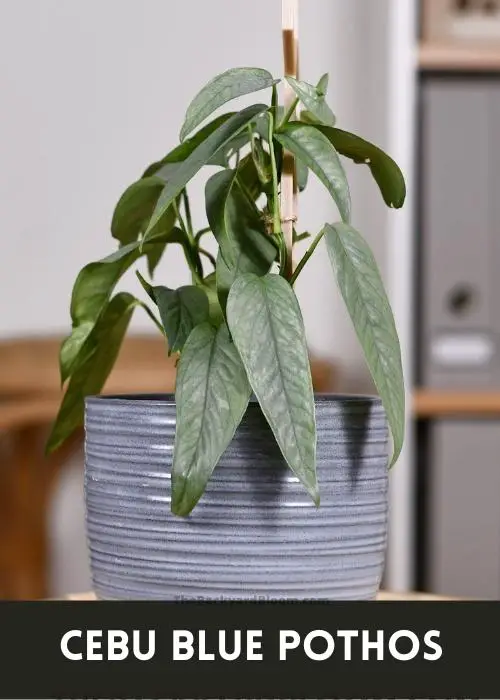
(29, 399)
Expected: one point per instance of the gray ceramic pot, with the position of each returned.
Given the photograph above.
(255, 533)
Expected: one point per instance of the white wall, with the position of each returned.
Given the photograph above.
(94, 90)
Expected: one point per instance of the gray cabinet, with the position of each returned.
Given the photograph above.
(458, 287)
(463, 520)
(460, 225)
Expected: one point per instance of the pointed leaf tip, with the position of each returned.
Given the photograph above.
(363, 291)
(277, 365)
(212, 394)
(384, 169)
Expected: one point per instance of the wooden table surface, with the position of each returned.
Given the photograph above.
(383, 595)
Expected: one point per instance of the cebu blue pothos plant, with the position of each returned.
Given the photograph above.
(238, 327)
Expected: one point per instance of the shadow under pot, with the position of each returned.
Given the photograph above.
(255, 533)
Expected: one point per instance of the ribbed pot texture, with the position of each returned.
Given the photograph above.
(255, 534)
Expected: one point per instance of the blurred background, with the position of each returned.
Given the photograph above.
(92, 92)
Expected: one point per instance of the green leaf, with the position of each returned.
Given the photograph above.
(247, 260)
(91, 291)
(148, 288)
(168, 164)
(225, 277)
(96, 281)
(232, 147)
(221, 89)
(153, 257)
(132, 215)
(315, 150)
(262, 161)
(239, 229)
(212, 394)
(385, 171)
(302, 174)
(71, 348)
(93, 288)
(267, 328)
(322, 86)
(180, 311)
(313, 99)
(209, 286)
(236, 223)
(217, 191)
(101, 350)
(261, 126)
(134, 209)
(254, 171)
(363, 291)
(198, 158)
(248, 176)
(309, 118)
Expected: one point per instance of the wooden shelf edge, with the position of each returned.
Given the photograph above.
(429, 403)
(460, 58)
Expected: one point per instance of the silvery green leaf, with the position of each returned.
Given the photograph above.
(225, 87)
(165, 167)
(302, 175)
(267, 328)
(385, 171)
(363, 291)
(214, 143)
(237, 224)
(212, 394)
(317, 153)
(313, 100)
(209, 285)
(180, 311)
(322, 85)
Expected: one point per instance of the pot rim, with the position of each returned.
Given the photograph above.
(160, 399)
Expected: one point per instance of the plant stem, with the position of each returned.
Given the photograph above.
(276, 201)
(274, 104)
(201, 233)
(306, 257)
(187, 210)
(152, 317)
(190, 248)
(208, 255)
(178, 214)
(289, 114)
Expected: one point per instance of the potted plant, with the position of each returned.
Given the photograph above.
(216, 492)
